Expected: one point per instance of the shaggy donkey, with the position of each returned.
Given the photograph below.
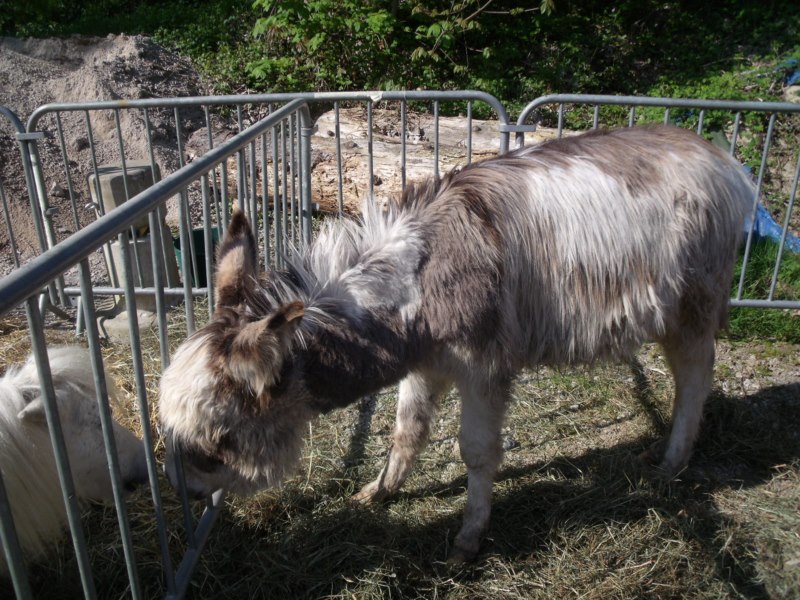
(572, 251)
(26, 453)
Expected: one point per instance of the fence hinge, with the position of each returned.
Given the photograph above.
(27, 137)
(514, 128)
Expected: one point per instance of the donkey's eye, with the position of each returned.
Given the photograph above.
(200, 459)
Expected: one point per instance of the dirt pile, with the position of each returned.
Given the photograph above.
(35, 72)
(76, 69)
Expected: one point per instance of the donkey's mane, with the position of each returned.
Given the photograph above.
(353, 265)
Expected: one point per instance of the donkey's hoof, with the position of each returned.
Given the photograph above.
(654, 455)
(460, 556)
(658, 466)
(668, 470)
(371, 493)
(465, 549)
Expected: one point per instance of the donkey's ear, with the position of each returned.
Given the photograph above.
(287, 317)
(237, 260)
(258, 350)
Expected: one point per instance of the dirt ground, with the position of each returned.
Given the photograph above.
(35, 72)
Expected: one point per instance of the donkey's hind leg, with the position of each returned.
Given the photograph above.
(416, 406)
(692, 365)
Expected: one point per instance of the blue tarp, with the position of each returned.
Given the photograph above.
(767, 228)
(792, 72)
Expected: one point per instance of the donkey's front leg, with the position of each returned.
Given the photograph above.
(416, 406)
(482, 413)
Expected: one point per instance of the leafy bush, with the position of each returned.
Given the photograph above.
(515, 51)
(323, 44)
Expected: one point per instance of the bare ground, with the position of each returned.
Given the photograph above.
(36, 72)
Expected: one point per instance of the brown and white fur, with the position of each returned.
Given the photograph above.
(27, 461)
(572, 251)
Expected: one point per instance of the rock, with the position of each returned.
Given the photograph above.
(80, 143)
(792, 94)
(117, 329)
(58, 191)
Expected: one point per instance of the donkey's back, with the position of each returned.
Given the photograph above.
(585, 247)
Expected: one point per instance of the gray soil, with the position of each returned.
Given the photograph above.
(35, 72)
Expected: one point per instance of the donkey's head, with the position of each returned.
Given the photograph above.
(229, 403)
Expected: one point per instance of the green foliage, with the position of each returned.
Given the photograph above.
(323, 44)
(29, 18)
(353, 44)
(192, 26)
(515, 51)
(749, 323)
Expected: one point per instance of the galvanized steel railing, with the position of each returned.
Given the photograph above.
(25, 284)
(250, 162)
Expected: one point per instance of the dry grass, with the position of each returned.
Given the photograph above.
(574, 514)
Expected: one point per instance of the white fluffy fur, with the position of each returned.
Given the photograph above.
(26, 454)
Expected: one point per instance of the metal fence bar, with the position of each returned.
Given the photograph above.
(7, 218)
(370, 153)
(436, 139)
(306, 130)
(784, 232)
(277, 208)
(759, 182)
(607, 100)
(70, 188)
(337, 131)
(141, 397)
(99, 207)
(469, 132)
(265, 210)
(18, 128)
(38, 199)
(204, 526)
(9, 543)
(285, 233)
(106, 421)
(207, 243)
(39, 349)
(403, 135)
(293, 199)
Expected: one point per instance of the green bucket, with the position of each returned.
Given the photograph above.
(199, 243)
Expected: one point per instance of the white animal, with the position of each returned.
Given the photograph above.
(27, 461)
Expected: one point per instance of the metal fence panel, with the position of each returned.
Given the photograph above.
(22, 287)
